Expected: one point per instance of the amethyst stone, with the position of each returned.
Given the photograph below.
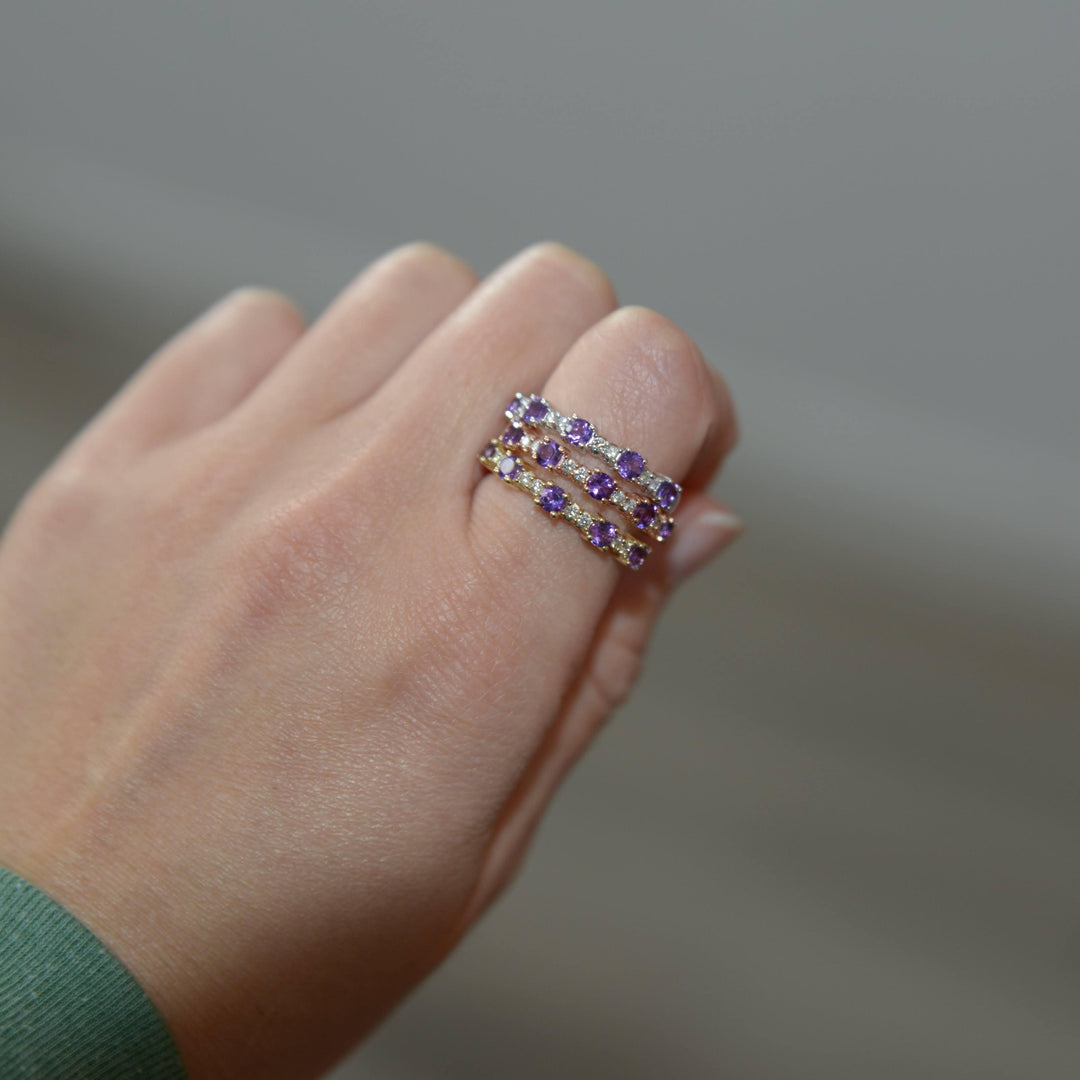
(630, 464)
(636, 556)
(548, 454)
(601, 534)
(667, 494)
(513, 435)
(535, 411)
(553, 499)
(644, 514)
(488, 452)
(509, 467)
(599, 485)
(666, 529)
(514, 405)
(578, 431)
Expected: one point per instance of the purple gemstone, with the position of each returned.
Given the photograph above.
(601, 534)
(599, 485)
(667, 494)
(644, 514)
(636, 556)
(488, 451)
(553, 499)
(513, 435)
(509, 467)
(578, 431)
(514, 405)
(666, 529)
(630, 464)
(535, 411)
(548, 454)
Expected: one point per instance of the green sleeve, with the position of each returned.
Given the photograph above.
(68, 1007)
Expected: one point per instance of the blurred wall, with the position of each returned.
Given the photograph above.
(835, 833)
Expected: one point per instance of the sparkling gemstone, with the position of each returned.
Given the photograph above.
(514, 405)
(535, 411)
(644, 514)
(630, 464)
(578, 431)
(553, 499)
(601, 534)
(548, 454)
(488, 451)
(667, 494)
(599, 485)
(509, 467)
(636, 555)
(666, 529)
(513, 435)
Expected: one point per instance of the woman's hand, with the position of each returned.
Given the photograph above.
(286, 678)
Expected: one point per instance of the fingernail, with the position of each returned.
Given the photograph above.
(705, 537)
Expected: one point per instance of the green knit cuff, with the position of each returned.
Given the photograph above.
(68, 1007)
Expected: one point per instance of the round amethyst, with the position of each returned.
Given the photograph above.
(509, 467)
(553, 499)
(548, 454)
(514, 405)
(488, 452)
(578, 431)
(644, 514)
(599, 485)
(666, 529)
(535, 411)
(601, 534)
(636, 556)
(667, 494)
(630, 464)
(513, 435)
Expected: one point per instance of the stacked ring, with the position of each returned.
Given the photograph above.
(555, 501)
(541, 435)
(532, 410)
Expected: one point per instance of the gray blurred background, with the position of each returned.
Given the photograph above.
(835, 834)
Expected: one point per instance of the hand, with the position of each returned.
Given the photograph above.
(286, 678)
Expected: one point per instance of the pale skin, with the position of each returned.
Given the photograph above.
(286, 678)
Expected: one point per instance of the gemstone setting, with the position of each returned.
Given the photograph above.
(644, 514)
(601, 533)
(630, 464)
(600, 485)
(577, 431)
(535, 411)
(667, 494)
(553, 499)
(548, 454)
(509, 467)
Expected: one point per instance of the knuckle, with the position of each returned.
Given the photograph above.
(296, 554)
(617, 667)
(553, 256)
(658, 360)
(66, 501)
(425, 259)
(268, 305)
